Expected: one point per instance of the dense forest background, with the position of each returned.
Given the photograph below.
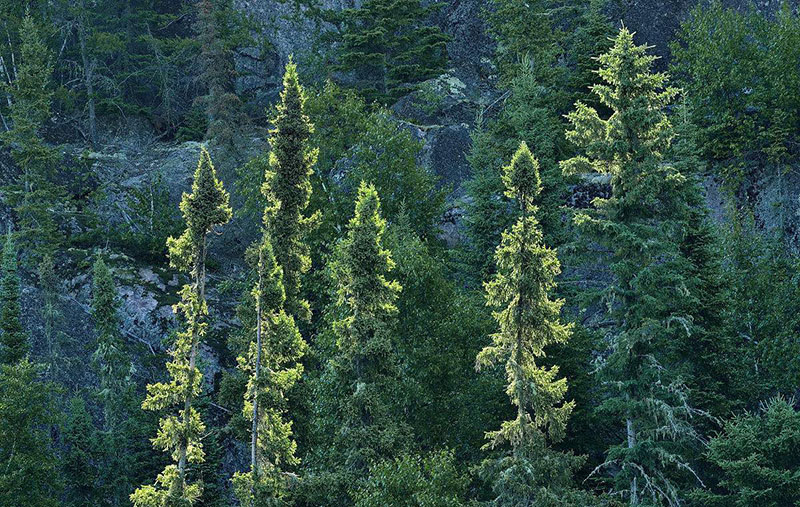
(399, 252)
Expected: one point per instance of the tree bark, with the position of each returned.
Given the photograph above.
(88, 80)
(631, 433)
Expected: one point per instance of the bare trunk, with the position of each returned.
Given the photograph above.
(88, 81)
(631, 432)
(254, 436)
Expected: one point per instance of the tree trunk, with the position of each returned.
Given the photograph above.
(254, 436)
(631, 432)
(88, 80)
(200, 287)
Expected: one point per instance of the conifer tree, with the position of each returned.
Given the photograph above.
(180, 431)
(757, 455)
(216, 71)
(528, 321)
(80, 465)
(13, 340)
(27, 412)
(361, 391)
(48, 283)
(640, 225)
(389, 48)
(273, 367)
(110, 358)
(287, 189)
(33, 195)
(713, 360)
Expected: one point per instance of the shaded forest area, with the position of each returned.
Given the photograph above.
(232, 275)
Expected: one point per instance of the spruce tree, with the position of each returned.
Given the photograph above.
(640, 227)
(110, 359)
(528, 321)
(29, 474)
(80, 459)
(13, 340)
(34, 196)
(272, 365)
(756, 453)
(216, 71)
(360, 396)
(287, 189)
(389, 48)
(180, 431)
(48, 283)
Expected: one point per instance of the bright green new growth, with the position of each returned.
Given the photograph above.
(287, 188)
(528, 322)
(273, 367)
(362, 386)
(641, 226)
(13, 339)
(179, 432)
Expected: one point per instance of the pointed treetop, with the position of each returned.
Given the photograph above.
(293, 96)
(521, 176)
(207, 206)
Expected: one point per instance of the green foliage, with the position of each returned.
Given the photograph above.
(358, 143)
(543, 72)
(152, 219)
(415, 480)
(216, 25)
(134, 56)
(440, 330)
(639, 225)
(528, 322)
(80, 458)
(763, 311)
(13, 340)
(388, 49)
(51, 313)
(34, 195)
(272, 365)
(110, 358)
(287, 188)
(738, 72)
(757, 454)
(360, 394)
(29, 472)
(180, 431)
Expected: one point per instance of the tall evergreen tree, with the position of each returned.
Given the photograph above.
(216, 70)
(48, 283)
(757, 454)
(13, 340)
(80, 459)
(529, 322)
(180, 432)
(33, 196)
(640, 227)
(287, 189)
(29, 474)
(272, 365)
(110, 358)
(389, 48)
(361, 391)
